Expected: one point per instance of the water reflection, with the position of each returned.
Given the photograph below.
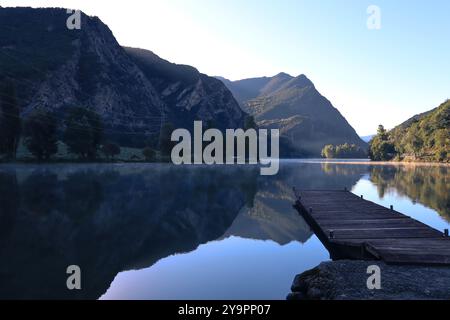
(107, 219)
(111, 218)
(429, 186)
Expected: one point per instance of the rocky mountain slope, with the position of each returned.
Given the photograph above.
(306, 119)
(55, 68)
(425, 136)
(189, 94)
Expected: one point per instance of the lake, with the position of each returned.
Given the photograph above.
(157, 231)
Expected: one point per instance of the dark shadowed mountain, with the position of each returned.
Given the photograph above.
(189, 94)
(134, 91)
(306, 119)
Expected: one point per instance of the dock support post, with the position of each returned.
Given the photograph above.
(446, 232)
(392, 207)
(331, 234)
(362, 197)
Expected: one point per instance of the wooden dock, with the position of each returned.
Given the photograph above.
(353, 228)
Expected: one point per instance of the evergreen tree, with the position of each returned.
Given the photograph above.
(10, 123)
(381, 148)
(83, 132)
(382, 133)
(40, 135)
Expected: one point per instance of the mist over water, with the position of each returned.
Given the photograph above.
(157, 231)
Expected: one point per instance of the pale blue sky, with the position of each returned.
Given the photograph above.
(371, 76)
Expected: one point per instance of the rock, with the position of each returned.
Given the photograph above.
(347, 280)
(296, 296)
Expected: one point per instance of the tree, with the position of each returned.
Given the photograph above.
(40, 135)
(10, 124)
(250, 123)
(381, 149)
(442, 145)
(425, 137)
(110, 150)
(328, 151)
(83, 132)
(149, 154)
(165, 142)
(343, 151)
(441, 155)
(416, 144)
(382, 133)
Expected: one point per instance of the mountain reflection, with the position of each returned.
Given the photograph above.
(107, 220)
(428, 185)
(112, 218)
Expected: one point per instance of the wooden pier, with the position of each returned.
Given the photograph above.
(353, 228)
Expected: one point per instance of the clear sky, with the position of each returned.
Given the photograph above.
(372, 76)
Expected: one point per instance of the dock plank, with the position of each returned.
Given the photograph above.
(345, 222)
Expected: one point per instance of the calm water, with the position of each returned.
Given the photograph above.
(164, 232)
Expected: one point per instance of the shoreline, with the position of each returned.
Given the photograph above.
(347, 280)
(302, 160)
(377, 163)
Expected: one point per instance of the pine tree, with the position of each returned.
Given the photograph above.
(10, 124)
(83, 132)
(40, 135)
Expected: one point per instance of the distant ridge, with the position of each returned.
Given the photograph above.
(368, 138)
(307, 120)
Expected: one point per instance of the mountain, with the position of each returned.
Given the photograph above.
(307, 120)
(414, 119)
(189, 94)
(425, 136)
(271, 217)
(367, 138)
(134, 91)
